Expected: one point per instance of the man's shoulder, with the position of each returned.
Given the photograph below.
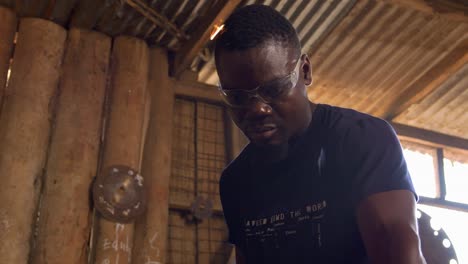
(340, 122)
(355, 136)
(339, 117)
(236, 168)
(349, 131)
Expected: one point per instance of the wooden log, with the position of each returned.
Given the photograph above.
(151, 230)
(130, 58)
(8, 24)
(64, 224)
(24, 131)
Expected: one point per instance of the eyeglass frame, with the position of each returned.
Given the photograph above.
(253, 93)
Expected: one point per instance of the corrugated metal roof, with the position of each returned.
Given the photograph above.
(124, 19)
(377, 52)
(118, 17)
(366, 54)
(313, 20)
(445, 110)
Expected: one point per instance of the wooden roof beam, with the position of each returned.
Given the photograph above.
(187, 53)
(429, 137)
(194, 89)
(449, 9)
(156, 18)
(427, 83)
(87, 13)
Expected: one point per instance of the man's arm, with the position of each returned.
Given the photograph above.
(388, 226)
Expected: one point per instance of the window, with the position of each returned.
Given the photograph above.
(420, 161)
(440, 177)
(456, 176)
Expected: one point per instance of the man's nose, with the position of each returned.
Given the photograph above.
(258, 108)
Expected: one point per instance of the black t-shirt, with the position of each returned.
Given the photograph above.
(302, 209)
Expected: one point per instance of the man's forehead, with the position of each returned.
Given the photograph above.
(265, 52)
(274, 54)
(270, 59)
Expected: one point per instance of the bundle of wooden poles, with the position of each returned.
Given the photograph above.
(75, 102)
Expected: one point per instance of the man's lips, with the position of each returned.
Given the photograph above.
(261, 131)
(261, 128)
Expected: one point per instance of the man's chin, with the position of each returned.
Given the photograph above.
(270, 138)
(267, 143)
(271, 151)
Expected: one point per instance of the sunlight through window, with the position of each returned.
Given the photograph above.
(422, 165)
(422, 171)
(456, 180)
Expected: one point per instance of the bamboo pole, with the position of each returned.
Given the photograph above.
(151, 230)
(64, 224)
(123, 137)
(24, 131)
(8, 24)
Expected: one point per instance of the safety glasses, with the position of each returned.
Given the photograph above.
(268, 92)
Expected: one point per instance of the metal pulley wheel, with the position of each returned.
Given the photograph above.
(202, 208)
(119, 194)
(436, 246)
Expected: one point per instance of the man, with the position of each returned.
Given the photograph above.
(316, 184)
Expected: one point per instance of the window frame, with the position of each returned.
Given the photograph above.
(441, 191)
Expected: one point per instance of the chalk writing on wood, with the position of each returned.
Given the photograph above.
(153, 247)
(4, 224)
(152, 239)
(149, 261)
(118, 244)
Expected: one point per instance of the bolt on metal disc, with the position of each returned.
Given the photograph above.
(202, 208)
(119, 194)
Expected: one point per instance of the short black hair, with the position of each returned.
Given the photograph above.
(253, 25)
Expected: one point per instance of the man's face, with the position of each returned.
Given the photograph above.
(268, 122)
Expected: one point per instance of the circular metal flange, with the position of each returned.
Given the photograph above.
(436, 246)
(202, 208)
(119, 194)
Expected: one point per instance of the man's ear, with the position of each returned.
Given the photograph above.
(306, 69)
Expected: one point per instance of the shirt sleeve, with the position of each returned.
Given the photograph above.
(375, 159)
(229, 211)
